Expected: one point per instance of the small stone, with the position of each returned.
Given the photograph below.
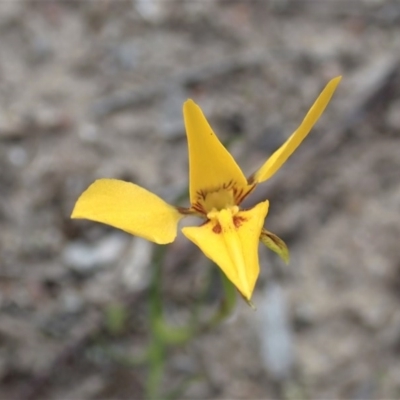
(152, 11)
(71, 302)
(126, 55)
(11, 126)
(88, 132)
(17, 156)
(135, 274)
(85, 258)
(41, 49)
(276, 336)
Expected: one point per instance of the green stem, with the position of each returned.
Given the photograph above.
(227, 304)
(156, 349)
(164, 335)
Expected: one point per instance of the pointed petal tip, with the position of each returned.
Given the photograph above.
(335, 81)
(265, 206)
(189, 103)
(280, 156)
(287, 259)
(247, 299)
(251, 305)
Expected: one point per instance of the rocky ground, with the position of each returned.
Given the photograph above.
(95, 89)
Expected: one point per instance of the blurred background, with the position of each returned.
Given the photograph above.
(92, 89)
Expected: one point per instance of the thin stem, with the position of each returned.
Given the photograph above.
(156, 348)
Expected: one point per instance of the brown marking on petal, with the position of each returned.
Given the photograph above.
(229, 184)
(217, 228)
(229, 190)
(191, 211)
(202, 194)
(198, 207)
(274, 238)
(237, 194)
(238, 220)
(251, 179)
(245, 194)
(184, 210)
(275, 244)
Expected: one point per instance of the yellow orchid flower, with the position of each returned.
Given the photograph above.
(229, 236)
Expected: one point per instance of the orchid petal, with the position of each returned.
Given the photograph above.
(231, 241)
(128, 207)
(212, 168)
(276, 244)
(283, 153)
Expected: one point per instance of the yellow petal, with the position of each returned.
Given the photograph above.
(212, 168)
(275, 244)
(230, 239)
(283, 153)
(128, 207)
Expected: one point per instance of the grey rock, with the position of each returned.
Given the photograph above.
(276, 336)
(85, 258)
(135, 273)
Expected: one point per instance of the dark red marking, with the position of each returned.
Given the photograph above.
(242, 196)
(228, 185)
(238, 221)
(198, 207)
(217, 228)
